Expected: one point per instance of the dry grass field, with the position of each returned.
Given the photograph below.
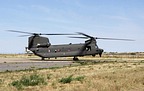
(110, 73)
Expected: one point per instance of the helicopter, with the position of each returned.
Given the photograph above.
(42, 47)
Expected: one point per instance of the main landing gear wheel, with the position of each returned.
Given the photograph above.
(100, 54)
(42, 58)
(75, 59)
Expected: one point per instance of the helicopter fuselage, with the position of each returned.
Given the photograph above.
(41, 47)
(69, 50)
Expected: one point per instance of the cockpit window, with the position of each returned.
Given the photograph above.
(96, 46)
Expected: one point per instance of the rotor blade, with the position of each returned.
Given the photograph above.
(19, 31)
(23, 35)
(80, 37)
(84, 34)
(115, 39)
(56, 34)
(39, 33)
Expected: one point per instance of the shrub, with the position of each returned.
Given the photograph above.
(17, 84)
(49, 76)
(79, 78)
(70, 78)
(1, 81)
(31, 80)
(67, 79)
(133, 53)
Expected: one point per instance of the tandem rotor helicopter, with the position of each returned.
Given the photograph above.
(42, 47)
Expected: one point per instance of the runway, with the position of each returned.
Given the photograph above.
(15, 64)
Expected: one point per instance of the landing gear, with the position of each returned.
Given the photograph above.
(42, 58)
(93, 55)
(75, 59)
(100, 54)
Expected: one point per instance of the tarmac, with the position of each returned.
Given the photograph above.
(16, 64)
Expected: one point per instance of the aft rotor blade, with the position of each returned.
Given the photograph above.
(19, 31)
(114, 39)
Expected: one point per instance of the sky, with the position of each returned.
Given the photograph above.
(98, 18)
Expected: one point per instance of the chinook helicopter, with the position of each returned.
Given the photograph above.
(42, 47)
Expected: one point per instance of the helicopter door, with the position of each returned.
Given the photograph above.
(88, 48)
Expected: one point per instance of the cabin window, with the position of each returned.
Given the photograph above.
(96, 46)
(37, 49)
(59, 50)
(69, 50)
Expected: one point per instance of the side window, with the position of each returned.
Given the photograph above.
(96, 46)
(69, 49)
(55, 51)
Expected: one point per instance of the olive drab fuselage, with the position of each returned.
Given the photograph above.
(42, 47)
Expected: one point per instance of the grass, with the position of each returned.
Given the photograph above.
(66, 80)
(31, 80)
(70, 78)
(105, 74)
(95, 77)
(79, 78)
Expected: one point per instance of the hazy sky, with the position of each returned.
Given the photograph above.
(101, 18)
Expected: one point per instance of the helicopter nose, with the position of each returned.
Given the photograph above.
(101, 50)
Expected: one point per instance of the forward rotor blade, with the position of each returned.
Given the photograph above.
(57, 34)
(19, 31)
(88, 36)
(114, 39)
(84, 34)
(80, 37)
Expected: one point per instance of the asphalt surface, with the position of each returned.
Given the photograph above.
(14, 64)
